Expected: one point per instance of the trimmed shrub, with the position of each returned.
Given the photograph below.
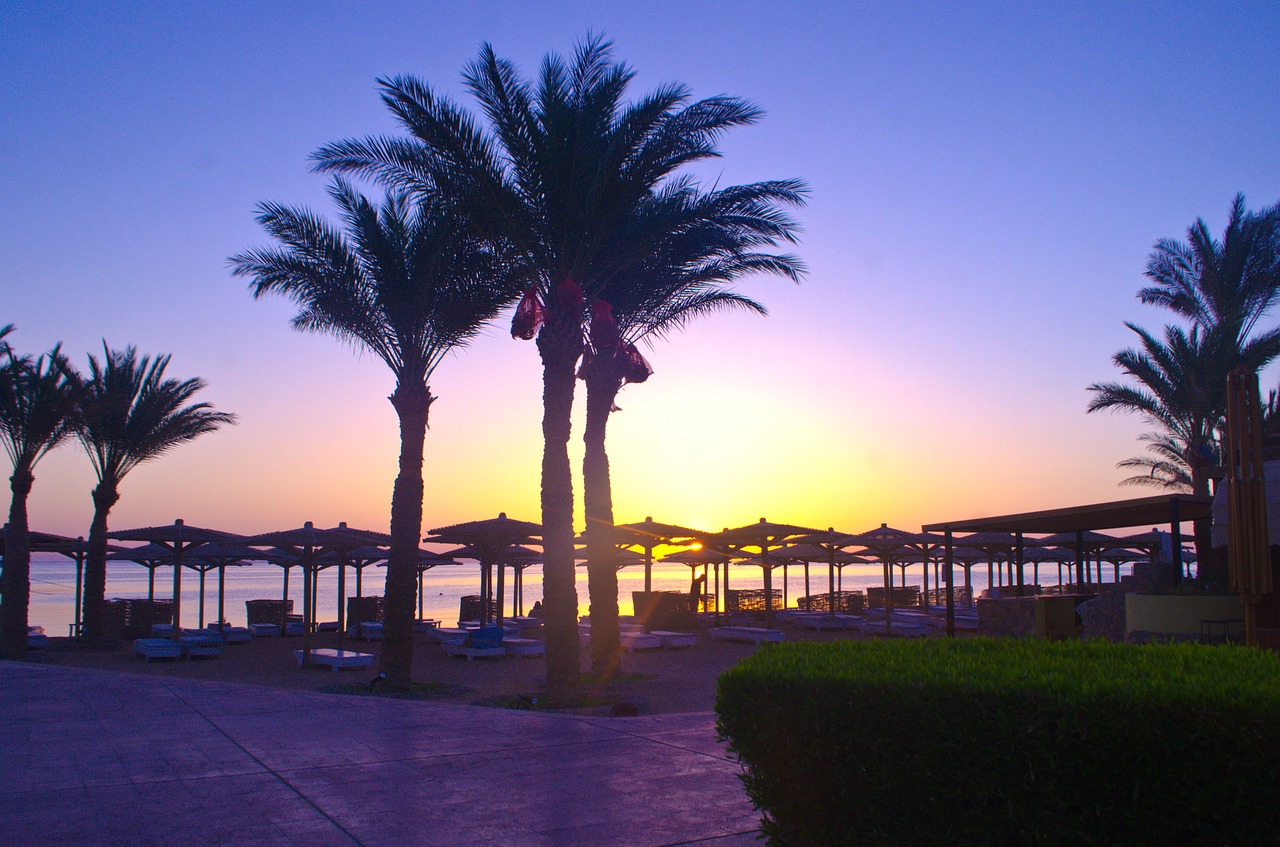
(1007, 742)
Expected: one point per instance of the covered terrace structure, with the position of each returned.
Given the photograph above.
(1165, 509)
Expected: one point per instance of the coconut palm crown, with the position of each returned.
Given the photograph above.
(130, 413)
(710, 240)
(410, 283)
(557, 175)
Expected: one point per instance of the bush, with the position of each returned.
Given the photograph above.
(989, 742)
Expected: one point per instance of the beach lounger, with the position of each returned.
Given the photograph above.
(232, 634)
(337, 659)
(264, 630)
(294, 628)
(524, 647)
(157, 648)
(818, 621)
(326, 626)
(450, 634)
(480, 643)
(901, 629)
(36, 639)
(209, 646)
(371, 630)
(675, 640)
(632, 641)
(747, 634)
(425, 625)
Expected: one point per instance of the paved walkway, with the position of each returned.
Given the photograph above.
(100, 758)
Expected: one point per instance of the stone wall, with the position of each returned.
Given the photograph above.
(1011, 617)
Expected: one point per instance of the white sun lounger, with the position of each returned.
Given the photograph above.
(524, 647)
(201, 645)
(747, 634)
(337, 659)
(818, 621)
(674, 640)
(633, 641)
(157, 648)
(898, 628)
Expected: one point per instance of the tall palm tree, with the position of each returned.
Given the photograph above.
(707, 241)
(1226, 284)
(129, 414)
(37, 405)
(409, 283)
(1180, 386)
(557, 176)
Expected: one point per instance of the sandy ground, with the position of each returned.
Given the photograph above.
(655, 681)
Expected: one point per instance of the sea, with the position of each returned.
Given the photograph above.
(53, 585)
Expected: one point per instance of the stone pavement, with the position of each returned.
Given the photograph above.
(101, 758)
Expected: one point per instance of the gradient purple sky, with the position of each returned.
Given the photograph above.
(987, 181)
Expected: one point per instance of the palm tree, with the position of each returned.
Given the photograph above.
(410, 284)
(707, 241)
(129, 414)
(37, 404)
(1229, 284)
(1181, 388)
(557, 177)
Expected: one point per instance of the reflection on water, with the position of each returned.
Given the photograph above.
(53, 586)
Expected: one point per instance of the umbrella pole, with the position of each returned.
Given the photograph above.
(716, 571)
(359, 572)
(786, 601)
(421, 588)
(200, 617)
(342, 600)
(307, 580)
(151, 582)
(648, 570)
(177, 591)
(222, 596)
(501, 596)
(831, 581)
(808, 603)
(284, 603)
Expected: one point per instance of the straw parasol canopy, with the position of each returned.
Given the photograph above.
(764, 535)
(178, 537)
(648, 534)
(308, 544)
(491, 539)
(220, 555)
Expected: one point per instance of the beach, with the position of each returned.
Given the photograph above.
(655, 681)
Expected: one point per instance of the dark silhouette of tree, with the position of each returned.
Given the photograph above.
(409, 283)
(1223, 288)
(707, 242)
(129, 414)
(558, 176)
(37, 406)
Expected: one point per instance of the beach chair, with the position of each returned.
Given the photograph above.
(157, 648)
(337, 659)
(675, 640)
(480, 643)
(371, 630)
(208, 646)
(36, 639)
(747, 634)
(524, 647)
(632, 641)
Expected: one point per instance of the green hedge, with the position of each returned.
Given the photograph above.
(1008, 742)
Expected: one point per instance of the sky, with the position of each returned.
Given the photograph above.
(987, 181)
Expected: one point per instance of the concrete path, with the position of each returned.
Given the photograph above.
(100, 758)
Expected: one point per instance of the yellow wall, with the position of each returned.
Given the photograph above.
(1177, 613)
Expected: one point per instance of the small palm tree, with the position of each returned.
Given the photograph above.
(37, 405)
(410, 284)
(1180, 385)
(558, 177)
(129, 414)
(705, 241)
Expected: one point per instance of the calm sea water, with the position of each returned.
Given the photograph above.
(53, 582)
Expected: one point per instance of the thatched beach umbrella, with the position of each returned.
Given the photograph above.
(832, 544)
(75, 549)
(704, 556)
(885, 541)
(490, 538)
(426, 561)
(367, 537)
(764, 536)
(179, 538)
(220, 556)
(308, 545)
(648, 534)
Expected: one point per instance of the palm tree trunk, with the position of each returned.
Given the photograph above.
(559, 351)
(16, 583)
(412, 400)
(1207, 565)
(105, 496)
(597, 496)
